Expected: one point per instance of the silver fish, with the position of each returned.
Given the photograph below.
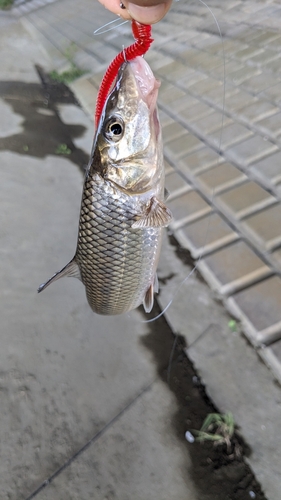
(122, 210)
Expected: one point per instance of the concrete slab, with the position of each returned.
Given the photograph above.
(14, 63)
(72, 115)
(132, 459)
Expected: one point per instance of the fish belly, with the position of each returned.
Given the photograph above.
(117, 263)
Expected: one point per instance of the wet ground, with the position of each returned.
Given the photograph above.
(217, 476)
(42, 133)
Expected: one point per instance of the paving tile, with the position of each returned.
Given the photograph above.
(168, 167)
(205, 235)
(273, 91)
(266, 56)
(191, 114)
(219, 178)
(278, 190)
(244, 200)
(181, 146)
(215, 48)
(248, 53)
(233, 268)
(266, 37)
(230, 47)
(221, 72)
(204, 40)
(248, 34)
(175, 69)
(165, 119)
(208, 63)
(199, 88)
(260, 83)
(239, 100)
(275, 44)
(269, 169)
(259, 308)
(190, 54)
(272, 357)
(170, 93)
(187, 208)
(211, 123)
(199, 161)
(239, 76)
(185, 82)
(250, 150)
(184, 102)
(257, 111)
(218, 94)
(273, 66)
(229, 135)
(155, 61)
(176, 185)
(276, 258)
(264, 228)
(172, 131)
(271, 125)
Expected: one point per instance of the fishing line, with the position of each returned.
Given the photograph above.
(208, 227)
(99, 32)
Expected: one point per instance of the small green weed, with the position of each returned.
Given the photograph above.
(217, 428)
(71, 74)
(232, 325)
(6, 4)
(67, 76)
(62, 149)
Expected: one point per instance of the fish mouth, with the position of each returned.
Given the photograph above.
(138, 74)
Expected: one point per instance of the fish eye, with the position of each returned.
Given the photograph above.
(114, 129)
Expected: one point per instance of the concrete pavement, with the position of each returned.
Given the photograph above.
(64, 384)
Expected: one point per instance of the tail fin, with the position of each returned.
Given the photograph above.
(71, 269)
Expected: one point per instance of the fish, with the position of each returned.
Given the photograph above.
(123, 210)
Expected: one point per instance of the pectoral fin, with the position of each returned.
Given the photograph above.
(156, 215)
(71, 270)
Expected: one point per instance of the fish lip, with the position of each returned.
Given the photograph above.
(145, 82)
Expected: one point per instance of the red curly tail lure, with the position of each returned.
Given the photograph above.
(143, 40)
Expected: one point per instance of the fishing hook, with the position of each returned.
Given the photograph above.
(143, 40)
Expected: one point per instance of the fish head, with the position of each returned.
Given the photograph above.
(128, 139)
